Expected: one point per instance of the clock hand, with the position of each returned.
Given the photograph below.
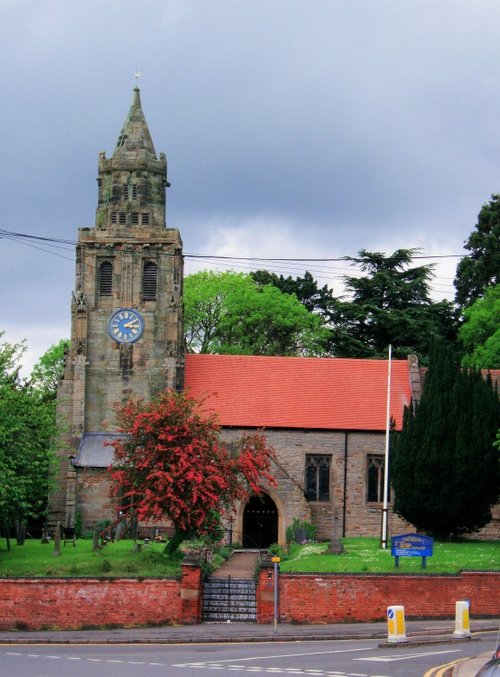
(131, 325)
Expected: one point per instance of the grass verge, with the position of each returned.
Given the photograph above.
(114, 559)
(364, 555)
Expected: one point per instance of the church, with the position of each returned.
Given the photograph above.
(325, 417)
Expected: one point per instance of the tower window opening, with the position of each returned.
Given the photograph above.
(149, 281)
(123, 218)
(114, 217)
(135, 218)
(145, 219)
(125, 192)
(134, 191)
(105, 278)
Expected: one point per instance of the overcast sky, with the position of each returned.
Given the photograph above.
(292, 128)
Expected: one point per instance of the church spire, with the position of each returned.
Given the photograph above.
(132, 182)
(135, 138)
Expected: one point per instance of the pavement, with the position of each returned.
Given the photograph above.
(419, 632)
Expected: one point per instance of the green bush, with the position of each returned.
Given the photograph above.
(277, 550)
(300, 531)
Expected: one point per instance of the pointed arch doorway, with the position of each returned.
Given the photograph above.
(260, 522)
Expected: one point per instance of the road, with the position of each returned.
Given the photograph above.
(340, 658)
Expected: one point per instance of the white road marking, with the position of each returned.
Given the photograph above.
(404, 657)
(283, 655)
(77, 658)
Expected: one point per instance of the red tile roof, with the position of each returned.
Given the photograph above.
(299, 392)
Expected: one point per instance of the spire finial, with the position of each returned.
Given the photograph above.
(137, 76)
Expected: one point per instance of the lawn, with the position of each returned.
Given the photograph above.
(362, 555)
(114, 559)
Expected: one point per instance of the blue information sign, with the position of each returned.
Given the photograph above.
(411, 545)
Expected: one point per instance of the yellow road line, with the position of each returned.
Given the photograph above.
(442, 670)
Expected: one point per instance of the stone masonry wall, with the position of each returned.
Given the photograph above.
(292, 446)
(93, 496)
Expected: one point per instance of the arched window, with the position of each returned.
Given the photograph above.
(149, 281)
(318, 477)
(105, 278)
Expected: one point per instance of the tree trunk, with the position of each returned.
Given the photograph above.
(174, 542)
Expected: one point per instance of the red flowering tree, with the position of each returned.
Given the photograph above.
(172, 463)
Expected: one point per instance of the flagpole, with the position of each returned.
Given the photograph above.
(385, 509)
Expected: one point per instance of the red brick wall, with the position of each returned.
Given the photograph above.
(311, 598)
(326, 598)
(76, 603)
(191, 594)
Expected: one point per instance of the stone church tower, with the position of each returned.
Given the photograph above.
(126, 317)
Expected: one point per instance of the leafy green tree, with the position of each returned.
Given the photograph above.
(173, 464)
(481, 268)
(444, 467)
(228, 313)
(480, 332)
(389, 304)
(49, 369)
(27, 438)
(315, 299)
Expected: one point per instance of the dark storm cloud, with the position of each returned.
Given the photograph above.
(288, 126)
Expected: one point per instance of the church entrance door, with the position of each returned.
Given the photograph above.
(260, 522)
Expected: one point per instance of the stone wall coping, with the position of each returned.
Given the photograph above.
(395, 574)
(107, 579)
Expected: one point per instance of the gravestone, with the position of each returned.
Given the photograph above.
(336, 547)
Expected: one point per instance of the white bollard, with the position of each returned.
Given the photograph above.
(396, 631)
(462, 620)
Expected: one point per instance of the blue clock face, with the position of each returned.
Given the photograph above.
(126, 325)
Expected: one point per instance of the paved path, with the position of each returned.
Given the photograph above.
(239, 565)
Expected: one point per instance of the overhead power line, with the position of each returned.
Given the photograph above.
(216, 257)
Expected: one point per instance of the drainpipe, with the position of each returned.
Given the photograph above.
(344, 506)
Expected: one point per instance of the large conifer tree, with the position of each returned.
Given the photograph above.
(445, 469)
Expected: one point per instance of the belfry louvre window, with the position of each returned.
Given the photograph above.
(375, 480)
(318, 477)
(113, 217)
(123, 218)
(145, 219)
(135, 218)
(105, 278)
(149, 281)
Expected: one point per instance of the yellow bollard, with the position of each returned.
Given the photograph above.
(396, 624)
(462, 620)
